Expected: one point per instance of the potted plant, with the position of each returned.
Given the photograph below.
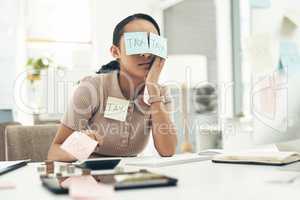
(35, 66)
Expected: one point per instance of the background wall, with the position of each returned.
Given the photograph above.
(8, 50)
(259, 21)
(190, 27)
(106, 17)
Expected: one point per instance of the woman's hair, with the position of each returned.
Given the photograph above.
(117, 34)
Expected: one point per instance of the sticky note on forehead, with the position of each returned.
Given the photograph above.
(143, 42)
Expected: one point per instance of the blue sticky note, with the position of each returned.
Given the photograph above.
(158, 45)
(143, 42)
(288, 48)
(136, 42)
(289, 56)
(260, 4)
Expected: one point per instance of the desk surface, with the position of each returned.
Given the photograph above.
(201, 180)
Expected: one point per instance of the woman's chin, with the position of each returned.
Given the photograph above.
(142, 73)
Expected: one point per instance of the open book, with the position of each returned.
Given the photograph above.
(7, 166)
(256, 157)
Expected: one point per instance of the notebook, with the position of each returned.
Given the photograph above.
(7, 166)
(258, 157)
(156, 161)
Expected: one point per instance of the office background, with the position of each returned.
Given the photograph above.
(77, 37)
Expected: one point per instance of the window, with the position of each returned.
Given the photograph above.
(60, 30)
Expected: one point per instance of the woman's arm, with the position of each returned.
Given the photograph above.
(79, 111)
(163, 130)
(55, 152)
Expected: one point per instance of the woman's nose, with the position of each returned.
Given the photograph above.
(146, 55)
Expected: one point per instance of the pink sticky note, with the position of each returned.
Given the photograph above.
(7, 185)
(86, 187)
(79, 145)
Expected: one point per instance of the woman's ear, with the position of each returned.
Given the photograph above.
(115, 51)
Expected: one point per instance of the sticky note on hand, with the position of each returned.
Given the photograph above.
(143, 42)
(79, 145)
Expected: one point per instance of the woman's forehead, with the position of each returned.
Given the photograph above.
(140, 25)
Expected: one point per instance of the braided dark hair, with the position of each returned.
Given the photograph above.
(118, 31)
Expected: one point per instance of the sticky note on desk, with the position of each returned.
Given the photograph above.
(86, 187)
(5, 185)
(143, 42)
(79, 145)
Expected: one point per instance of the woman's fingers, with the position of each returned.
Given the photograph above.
(91, 134)
(155, 70)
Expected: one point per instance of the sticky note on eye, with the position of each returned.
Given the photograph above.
(136, 43)
(158, 45)
(79, 145)
(143, 42)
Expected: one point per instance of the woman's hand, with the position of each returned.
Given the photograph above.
(153, 76)
(94, 135)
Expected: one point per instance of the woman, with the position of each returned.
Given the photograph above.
(124, 78)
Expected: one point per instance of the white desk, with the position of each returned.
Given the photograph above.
(202, 180)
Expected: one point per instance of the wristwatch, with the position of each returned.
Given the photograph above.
(162, 99)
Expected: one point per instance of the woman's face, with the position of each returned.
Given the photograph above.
(136, 66)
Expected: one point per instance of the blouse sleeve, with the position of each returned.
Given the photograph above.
(82, 105)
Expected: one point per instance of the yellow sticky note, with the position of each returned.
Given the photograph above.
(116, 109)
(293, 17)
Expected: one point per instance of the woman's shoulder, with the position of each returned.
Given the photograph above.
(97, 79)
(92, 88)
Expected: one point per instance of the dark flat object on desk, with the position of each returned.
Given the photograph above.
(54, 184)
(253, 163)
(99, 163)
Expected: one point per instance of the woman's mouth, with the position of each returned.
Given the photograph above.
(146, 65)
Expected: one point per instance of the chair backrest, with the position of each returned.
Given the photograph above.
(29, 142)
(3, 126)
